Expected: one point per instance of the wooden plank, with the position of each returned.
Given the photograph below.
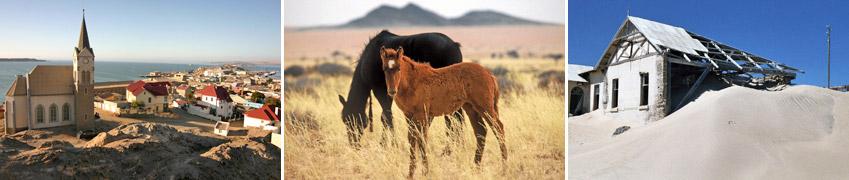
(726, 55)
(752, 61)
(711, 60)
(693, 88)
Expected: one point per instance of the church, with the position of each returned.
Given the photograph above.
(54, 95)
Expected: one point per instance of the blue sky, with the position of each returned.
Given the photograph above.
(791, 32)
(160, 31)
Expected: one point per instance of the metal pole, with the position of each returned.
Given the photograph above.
(828, 41)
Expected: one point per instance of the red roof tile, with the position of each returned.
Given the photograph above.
(155, 88)
(264, 113)
(216, 91)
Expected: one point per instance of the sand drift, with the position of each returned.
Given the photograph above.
(736, 133)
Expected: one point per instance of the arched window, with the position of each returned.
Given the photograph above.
(66, 112)
(39, 114)
(53, 111)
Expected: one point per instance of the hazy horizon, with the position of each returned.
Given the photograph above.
(301, 13)
(140, 31)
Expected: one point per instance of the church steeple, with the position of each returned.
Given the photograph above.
(83, 42)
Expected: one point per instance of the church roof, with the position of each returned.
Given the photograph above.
(83, 42)
(18, 88)
(51, 80)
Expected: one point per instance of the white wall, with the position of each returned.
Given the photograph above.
(628, 74)
(158, 103)
(16, 112)
(202, 112)
(46, 101)
(222, 108)
(597, 78)
(254, 122)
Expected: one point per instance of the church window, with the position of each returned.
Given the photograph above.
(39, 114)
(53, 113)
(66, 112)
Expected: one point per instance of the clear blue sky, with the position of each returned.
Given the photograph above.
(791, 32)
(149, 30)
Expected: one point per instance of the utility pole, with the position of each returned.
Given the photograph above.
(828, 42)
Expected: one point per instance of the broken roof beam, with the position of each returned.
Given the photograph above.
(711, 60)
(727, 57)
(752, 61)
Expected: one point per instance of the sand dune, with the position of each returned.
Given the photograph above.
(736, 133)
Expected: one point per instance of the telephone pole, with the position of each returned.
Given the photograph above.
(828, 42)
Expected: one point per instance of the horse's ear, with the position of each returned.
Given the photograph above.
(400, 50)
(341, 99)
(382, 51)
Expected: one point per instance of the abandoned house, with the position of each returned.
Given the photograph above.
(651, 69)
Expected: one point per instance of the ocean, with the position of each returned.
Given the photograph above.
(109, 71)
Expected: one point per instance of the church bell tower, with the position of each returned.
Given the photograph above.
(83, 69)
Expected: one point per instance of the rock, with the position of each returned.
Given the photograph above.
(621, 130)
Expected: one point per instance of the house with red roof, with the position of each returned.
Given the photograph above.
(264, 116)
(182, 90)
(217, 101)
(154, 95)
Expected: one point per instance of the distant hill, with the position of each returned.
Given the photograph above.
(20, 60)
(413, 15)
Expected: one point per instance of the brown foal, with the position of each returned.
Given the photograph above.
(423, 92)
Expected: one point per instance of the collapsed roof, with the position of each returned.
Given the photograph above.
(685, 47)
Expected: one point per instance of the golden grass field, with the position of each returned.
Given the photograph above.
(316, 145)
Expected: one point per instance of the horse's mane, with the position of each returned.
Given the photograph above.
(373, 42)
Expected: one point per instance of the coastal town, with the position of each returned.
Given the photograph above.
(204, 123)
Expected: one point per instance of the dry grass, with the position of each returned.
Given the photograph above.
(534, 124)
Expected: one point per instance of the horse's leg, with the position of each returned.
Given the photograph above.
(498, 128)
(416, 137)
(479, 129)
(386, 117)
(411, 136)
(455, 130)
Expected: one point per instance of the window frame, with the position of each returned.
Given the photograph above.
(614, 95)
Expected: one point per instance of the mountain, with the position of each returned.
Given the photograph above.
(489, 17)
(410, 15)
(414, 15)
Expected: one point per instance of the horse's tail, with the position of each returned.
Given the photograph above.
(497, 94)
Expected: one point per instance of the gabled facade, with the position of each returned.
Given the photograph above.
(154, 95)
(651, 69)
(218, 100)
(262, 116)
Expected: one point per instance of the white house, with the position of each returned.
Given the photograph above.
(651, 69)
(153, 95)
(264, 116)
(216, 101)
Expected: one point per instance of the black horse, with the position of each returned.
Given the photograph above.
(434, 48)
